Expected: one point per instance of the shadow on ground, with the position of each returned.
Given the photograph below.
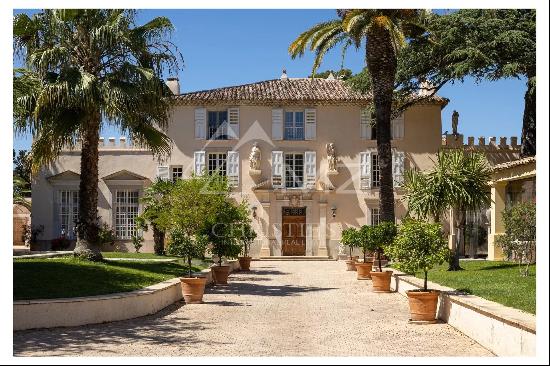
(167, 327)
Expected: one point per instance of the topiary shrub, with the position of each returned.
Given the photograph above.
(419, 246)
(520, 234)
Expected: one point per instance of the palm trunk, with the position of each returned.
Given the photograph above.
(158, 238)
(382, 64)
(87, 243)
(458, 221)
(528, 131)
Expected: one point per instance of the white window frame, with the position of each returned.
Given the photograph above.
(293, 128)
(374, 216)
(125, 213)
(176, 172)
(374, 170)
(220, 158)
(286, 167)
(67, 212)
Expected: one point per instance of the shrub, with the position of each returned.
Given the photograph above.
(419, 246)
(106, 234)
(246, 236)
(519, 239)
(351, 239)
(366, 240)
(137, 241)
(186, 246)
(383, 235)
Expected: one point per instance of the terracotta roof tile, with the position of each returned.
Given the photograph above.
(514, 163)
(293, 91)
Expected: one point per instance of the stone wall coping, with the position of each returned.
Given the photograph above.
(505, 314)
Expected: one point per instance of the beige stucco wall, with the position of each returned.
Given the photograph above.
(337, 124)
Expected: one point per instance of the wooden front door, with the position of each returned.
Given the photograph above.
(294, 231)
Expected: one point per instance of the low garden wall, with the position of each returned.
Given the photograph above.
(502, 330)
(50, 313)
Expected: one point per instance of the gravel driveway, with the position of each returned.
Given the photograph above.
(278, 309)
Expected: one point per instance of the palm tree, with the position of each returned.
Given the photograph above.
(459, 181)
(20, 191)
(84, 69)
(384, 32)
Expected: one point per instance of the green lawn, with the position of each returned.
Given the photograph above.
(50, 278)
(491, 280)
(134, 255)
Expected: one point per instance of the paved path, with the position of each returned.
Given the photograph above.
(278, 309)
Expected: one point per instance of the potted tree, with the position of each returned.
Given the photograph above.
(247, 236)
(189, 247)
(419, 246)
(224, 237)
(383, 235)
(367, 244)
(350, 238)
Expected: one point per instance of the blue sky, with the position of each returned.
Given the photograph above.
(231, 47)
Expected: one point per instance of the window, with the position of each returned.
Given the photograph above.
(217, 125)
(294, 170)
(68, 213)
(217, 163)
(127, 208)
(176, 173)
(374, 216)
(294, 126)
(375, 171)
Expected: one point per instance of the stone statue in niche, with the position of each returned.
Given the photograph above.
(454, 120)
(331, 157)
(255, 157)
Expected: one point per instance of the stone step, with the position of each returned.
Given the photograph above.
(295, 258)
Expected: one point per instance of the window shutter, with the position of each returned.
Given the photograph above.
(200, 162)
(398, 168)
(233, 116)
(277, 169)
(311, 124)
(398, 127)
(365, 166)
(163, 172)
(366, 125)
(200, 123)
(310, 158)
(277, 124)
(233, 168)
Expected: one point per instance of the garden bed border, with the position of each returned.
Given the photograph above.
(503, 330)
(68, 312)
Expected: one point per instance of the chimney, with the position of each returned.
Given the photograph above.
(174, 84)
(284, 76)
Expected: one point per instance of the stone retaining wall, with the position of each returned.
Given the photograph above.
(50, 313)
(502, 330)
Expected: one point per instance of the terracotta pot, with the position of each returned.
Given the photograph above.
(193, 289)
(220, 274)
(423, 305)
(350, 265)
(363, 270)
(244, 263)
(381, 281)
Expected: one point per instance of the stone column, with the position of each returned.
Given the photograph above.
(322, 250)
(265, 251)
(498, 204)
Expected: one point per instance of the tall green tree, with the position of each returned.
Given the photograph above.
(384, 33)
(84, 69)
(20, 191)
(154, 200)
(482, 43)
(22, 166)
(458, 182)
